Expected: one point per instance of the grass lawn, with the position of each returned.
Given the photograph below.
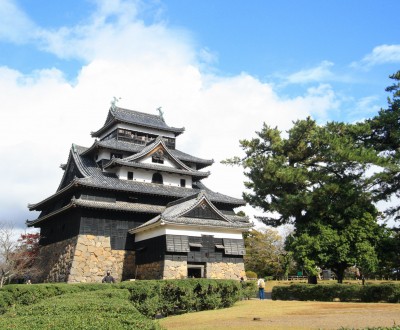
(268, 314)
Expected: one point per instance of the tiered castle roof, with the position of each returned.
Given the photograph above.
(143, 136)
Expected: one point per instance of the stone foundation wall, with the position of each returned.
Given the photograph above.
(54, 261)
(175, 269)
(222, 270)
(86, 259)
(94, 256)
(150, 271)
(83, 259)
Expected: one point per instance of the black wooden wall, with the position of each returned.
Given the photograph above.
(112, 224)
(60, 228)
(198, 249)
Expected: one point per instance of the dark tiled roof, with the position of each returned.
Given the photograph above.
(133, 148)
(156, 167)
(133, 161)
(197, 222)
(175, 213)
(118, 206)
(117, 114)
(93, 176)
(101, 179)
(180, 207)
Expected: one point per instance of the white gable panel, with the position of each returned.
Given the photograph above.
(167, 162)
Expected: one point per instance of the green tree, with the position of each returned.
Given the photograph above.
(265, 254)
(389, 254)
(316, 179)
(382, 132)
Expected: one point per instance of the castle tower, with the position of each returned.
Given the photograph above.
(134, 204)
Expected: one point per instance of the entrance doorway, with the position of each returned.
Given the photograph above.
(195, 271)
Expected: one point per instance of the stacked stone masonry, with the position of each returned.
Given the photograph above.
(175, 269)
(150, 271)
(54, 261)
(225, 270)
(84, 259)
(94, 257)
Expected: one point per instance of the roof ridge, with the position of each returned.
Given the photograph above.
(139, 112)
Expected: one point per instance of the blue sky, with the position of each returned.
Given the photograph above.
(219, 68)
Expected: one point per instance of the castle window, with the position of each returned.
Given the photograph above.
(157, 178)
(158, 157)
(183, 183)
(130, 175)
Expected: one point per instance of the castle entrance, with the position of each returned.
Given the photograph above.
(195, 270)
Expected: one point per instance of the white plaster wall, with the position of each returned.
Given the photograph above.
(187, 231)
(142, 175)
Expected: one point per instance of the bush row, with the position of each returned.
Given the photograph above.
(20, 294)
(102, 309)
(169, 297)
(164, 297)
(363, 293)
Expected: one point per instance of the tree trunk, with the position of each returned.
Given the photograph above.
(339, 271)
(312, 279)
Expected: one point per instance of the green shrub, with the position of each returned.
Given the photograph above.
(18, 294)
(102, 309)
(343, 292)
(251, 274)
(170, 297)
(249, 289)
(383, 292)
(150, 298)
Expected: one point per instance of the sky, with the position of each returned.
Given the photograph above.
(218, 68)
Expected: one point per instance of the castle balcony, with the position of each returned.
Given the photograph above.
(143, 140)
(138, 138)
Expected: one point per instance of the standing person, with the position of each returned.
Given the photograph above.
(261, 287)
(108, 278)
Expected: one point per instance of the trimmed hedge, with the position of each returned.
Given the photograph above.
(151, 298)
(103, 309)
(21, 294)
(249, 289)
(169, 297)
(365, 293)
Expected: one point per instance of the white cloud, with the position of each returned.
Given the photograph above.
(380, 55)
(15, 25)
(148, 66)
(320, 73)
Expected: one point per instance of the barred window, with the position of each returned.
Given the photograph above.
(177, 243)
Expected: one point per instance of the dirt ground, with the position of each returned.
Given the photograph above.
(323, 315)
(268, 314)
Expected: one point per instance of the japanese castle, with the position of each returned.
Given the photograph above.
(134, 204)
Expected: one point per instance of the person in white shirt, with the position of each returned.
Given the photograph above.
(261, 287)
